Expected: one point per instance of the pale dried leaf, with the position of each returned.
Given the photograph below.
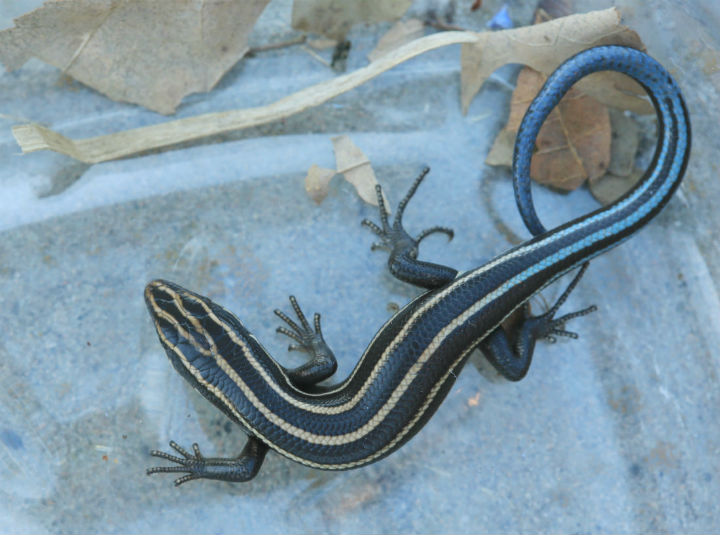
(317, 182)
(34, 137)
(355, 166)
(141, 51)
(334, 18)
(501, 153)
(545, 46)
(401, 33)
(129, 142)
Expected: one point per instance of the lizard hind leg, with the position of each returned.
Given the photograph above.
(195, 465)
(513, 363)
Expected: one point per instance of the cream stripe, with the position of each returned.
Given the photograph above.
(398, 438)
(419, 414)
(216, 391)
(377, 418)
(221, 362)
(184, 332)
(328, 440)
(397, 393)
(392, 401)
(405, 382)
(339, 409)
(196, 373)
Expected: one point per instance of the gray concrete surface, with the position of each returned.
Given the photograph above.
(615, 432)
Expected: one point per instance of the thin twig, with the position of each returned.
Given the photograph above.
(274, 46)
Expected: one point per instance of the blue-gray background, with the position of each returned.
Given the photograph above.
(617, 431)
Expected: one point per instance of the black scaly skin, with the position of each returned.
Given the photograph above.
(411, 363)
(245, 466)
(511, 363)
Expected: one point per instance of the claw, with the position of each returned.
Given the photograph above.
(280, 314)
(547, 327)
(184, 479)
(393, 236)
(303, 334)
(187, 463)
(409, 194)
(567, 334)
(289, 334)
(443, 230)
(569, 290)
(381, 206)
(309, 340)
(197, 466)
(584, 312)
(372, 226)
(178, 448)
(316, 322)
(299, 313)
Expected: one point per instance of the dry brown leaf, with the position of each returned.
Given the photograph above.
(317, 182)
(355, 166)
(545, 46)
(573, 143)
(141, 51)
(401, 33)
(334, 18)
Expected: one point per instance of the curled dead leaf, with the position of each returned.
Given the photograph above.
(317, 182)
(545, 46)
(34, 137)
(355, 166)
